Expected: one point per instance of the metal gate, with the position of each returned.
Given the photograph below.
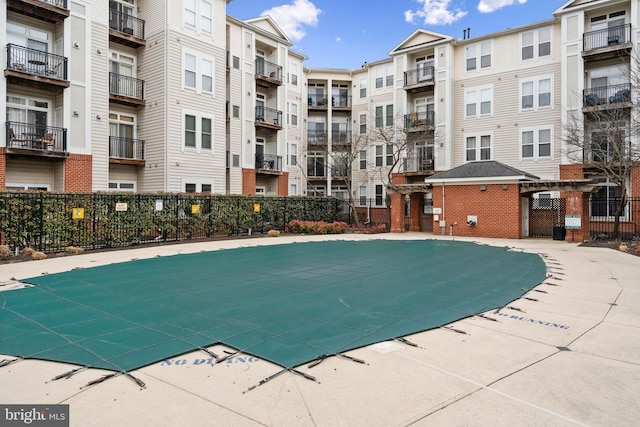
(545, 215)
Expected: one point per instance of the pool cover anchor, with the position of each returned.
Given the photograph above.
(69, 374)
(407, 342)
(321, 359)
(6, 362)
(277, 374)
(103, 378)
(210, 353)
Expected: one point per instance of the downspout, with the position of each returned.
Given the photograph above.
(443, 224)
(166, 101)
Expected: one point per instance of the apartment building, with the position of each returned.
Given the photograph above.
(141, 95)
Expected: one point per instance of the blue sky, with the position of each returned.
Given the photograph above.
(326, 32)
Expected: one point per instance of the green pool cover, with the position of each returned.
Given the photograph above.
(289, 304)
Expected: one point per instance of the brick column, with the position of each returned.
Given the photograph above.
(249, 182)
(397, 213)
(3, 168)
(415, 205)
(578, 204)
(283, 184)
(78, 173)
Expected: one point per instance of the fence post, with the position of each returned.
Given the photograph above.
(177, 217)
(237, 216)
(41, 231)
(284, 213)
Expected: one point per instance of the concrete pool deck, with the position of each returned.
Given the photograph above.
(567, 353)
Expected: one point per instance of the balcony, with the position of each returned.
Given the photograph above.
(317, 101)
(268, 118)
(35, 68)
(606, 97)
(34, 140)
(606, 43)
(53, 11)
(268, 74)
(126, 90)
(126, 151)
(419, 80)
(269, 164)
(418, 163)
(317, 138)
(341, 137)
(126, 29)
(420, 121)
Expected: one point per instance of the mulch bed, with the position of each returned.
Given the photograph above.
(633, 246)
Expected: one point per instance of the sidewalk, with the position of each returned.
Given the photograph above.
(566, 354)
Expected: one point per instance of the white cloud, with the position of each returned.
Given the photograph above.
(293, 17)
(435, 12)
(488, 6)
(338, 39)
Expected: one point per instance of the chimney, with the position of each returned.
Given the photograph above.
(469, 32)
(464, 34)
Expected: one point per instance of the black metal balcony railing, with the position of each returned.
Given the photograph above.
(268, 162)
(35, 137)
(268, 115)
(60, 3)
(126, 86)
(317, 137)
(419, 75)
(265, 68)
(317, 100)
(341, 136)
(341, 101)
(606, 37)
(422, 118)
(36, 62)
(126, 148)
(126, 23)
(604, 95)
(418, 162)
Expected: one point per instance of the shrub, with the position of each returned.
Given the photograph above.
(27, 252)
(5, 252)
(317, 227)
(73, 250)
(374, 229)
(273, 233)
(38, 255)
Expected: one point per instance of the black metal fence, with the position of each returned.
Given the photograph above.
(603, 215)
(51, 222)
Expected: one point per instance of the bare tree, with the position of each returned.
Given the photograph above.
(603, 137)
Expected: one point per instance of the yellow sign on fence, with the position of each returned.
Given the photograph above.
(78, 213)
(256, 207)
(195, 209)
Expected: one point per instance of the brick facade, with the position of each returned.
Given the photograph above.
(3, 168)
(283, 184)
(249, 182)
(78, 175)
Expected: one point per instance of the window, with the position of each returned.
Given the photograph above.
(122, 186)
(482, 96)
(484, 50)
(293, 114)
(316, 94)
(363, 88)
(201, 8)
(379, 195)
(363, 195)
(478, 147)
(235, 160)
(189, 131)
(363, 159)
(379, 77)
(389, 157)
(389, 115)
(363, 124)
(609, 146)
(293, 189)
(196, 186)
(340, 95)
(379, 155)
(535, 93)
(293, 154)
(315, 164)
(194, 67)
(26, 110)
(536, 143)
(536, 43)
(189, 71)
(294, 74)
(198, 131)
(389, 76)
(207, 75)
(379, 120)
(190, 188)
(236, 111)
(236, 62)
(606, 200)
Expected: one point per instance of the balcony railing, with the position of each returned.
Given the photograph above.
(268, 115)
(268, 69)
(59, 3)
(126, 148)
(317, 100)
(605, 95)
(341, 101)
(419, 119)
(418, 162)
(317, 137)
(126, 24)
(36, 62)
(35, 137)
(122, 85)
(419, 75)
(341, 136)
(606, 37)
(268, 162)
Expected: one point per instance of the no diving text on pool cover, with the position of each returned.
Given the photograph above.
(34, 415)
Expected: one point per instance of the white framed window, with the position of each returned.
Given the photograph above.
(198, 131)
(535, 43)
(379, 195)
(293, 114)
(198, 15)
(478, 147)
(122, 134)
(536, 93)
(28, 110)
(389, 155)
(380, 76)
(379, 155)
(293, 189)
(478, 101)
(363, 88)
(379, 117)
(389, 75)
(197, 185)
(363, 160)
(33, 187)
(363, 124)
(198, 72)
(293, 154)
(478, 55)
(605, 201)
(293, 73)
(389, 115)
(32, 38)
(536, 143)
(362, 195)
(129, 186)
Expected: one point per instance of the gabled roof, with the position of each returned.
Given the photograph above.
(418, 39)
(578, 4)
(269, 28)
(489, 170)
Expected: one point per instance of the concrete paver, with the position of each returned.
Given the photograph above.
(566, 356)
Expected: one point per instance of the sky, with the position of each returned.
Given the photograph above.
(344, 34)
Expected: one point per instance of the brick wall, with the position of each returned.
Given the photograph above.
(497, 210)
(283, 184)
(78, 174)
(249, 182)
